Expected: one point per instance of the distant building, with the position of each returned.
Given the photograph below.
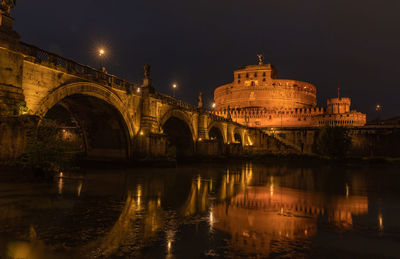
(257, 98)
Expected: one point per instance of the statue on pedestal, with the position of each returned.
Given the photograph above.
(6, 6)
(260, 59)
(147, 69)
(200, 104)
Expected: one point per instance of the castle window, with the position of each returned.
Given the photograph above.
(264, 74)
(252, 83)
(255, 74)
(238, 75)
(247, 75)
(264, 79)
(238, 81)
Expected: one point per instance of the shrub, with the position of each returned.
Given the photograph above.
(333, 142)
(45, 149)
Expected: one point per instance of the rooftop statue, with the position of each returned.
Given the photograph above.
(200, 104)
(260, 59)
(147, 70)
(6, 6)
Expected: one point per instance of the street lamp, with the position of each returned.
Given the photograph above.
(101, 55)
(173, 89)
(378, 109)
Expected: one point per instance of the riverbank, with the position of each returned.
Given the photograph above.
(15, 173)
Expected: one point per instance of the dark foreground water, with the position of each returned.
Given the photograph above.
(205, 211)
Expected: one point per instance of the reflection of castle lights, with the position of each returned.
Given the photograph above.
(347, 190)
(170, 239)
(198, 182)
(60, 185)
(211, 218)
(271, 188)
(139, 193)
(380, 221)
(305, 232)
(158, 202)
(79, 189)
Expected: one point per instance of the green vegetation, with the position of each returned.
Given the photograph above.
(46, 151)
(333, 142)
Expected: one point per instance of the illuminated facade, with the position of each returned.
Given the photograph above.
(257, 98)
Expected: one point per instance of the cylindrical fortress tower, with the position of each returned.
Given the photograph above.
(338, 105)
(257, 98)
(257, 86)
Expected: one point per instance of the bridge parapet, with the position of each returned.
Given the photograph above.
(174, 102)
(54, 61)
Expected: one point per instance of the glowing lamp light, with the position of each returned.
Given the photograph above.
(141, 133)
(101, 52)
(213, 105)
(380, 221)
(138, 90)
(174, 86)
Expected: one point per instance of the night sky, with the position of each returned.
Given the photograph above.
(198, 43)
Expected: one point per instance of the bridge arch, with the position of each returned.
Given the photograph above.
(177, 125)
(218, 125)
(238, 136)
(91, 102)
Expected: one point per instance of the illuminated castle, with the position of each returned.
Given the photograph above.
(257, 98)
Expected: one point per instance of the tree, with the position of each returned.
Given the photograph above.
(46, 151)
(333, 142)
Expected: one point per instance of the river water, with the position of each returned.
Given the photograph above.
(239, 210)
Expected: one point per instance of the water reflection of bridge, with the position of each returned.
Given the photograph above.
(254, 207)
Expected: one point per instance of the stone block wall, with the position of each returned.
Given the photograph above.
(13, 135)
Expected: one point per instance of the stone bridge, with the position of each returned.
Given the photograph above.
(114, 118)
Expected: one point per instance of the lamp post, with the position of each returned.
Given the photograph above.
(173, 90)
(101, 55)
(378, 109)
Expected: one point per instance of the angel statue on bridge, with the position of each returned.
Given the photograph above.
(6, 6)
